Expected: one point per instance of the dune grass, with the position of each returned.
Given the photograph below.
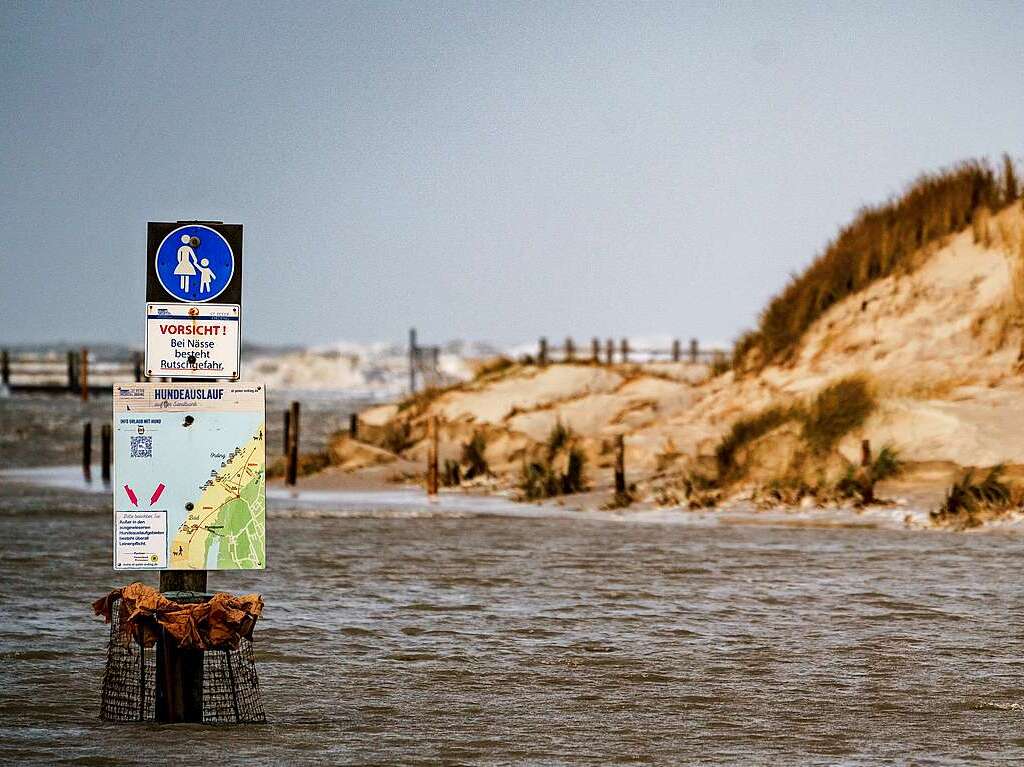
(968, 497)
(837, 410)
(880, 240)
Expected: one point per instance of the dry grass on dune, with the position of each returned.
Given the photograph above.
(878, 242)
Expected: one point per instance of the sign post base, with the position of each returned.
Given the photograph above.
(179, 673)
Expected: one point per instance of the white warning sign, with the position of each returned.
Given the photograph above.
(192, 341)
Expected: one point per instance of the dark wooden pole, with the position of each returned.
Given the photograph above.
(287, 432)
(179, 673)
(105, 444)
(620, 465)
(595, 350)
(353, 425)
(432, 444)
(5, 368)
(570, 350)
(865, 453)
(137, 365)
(609, 351)
(412, 360)
(72, 372)
(83, 374)
(542, 352)
(694, 350)
(677, 350)
(293, 445)
(624, 350)
(87, 450)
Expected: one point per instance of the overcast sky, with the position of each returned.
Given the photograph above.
(488, 171)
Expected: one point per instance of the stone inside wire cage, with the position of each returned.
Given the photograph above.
(231, 688)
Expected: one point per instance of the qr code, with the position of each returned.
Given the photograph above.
(142, 447)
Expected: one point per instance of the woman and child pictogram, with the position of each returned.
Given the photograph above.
(188, 265)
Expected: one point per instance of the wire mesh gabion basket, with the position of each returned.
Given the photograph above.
(231, 688)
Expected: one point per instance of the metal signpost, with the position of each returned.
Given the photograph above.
(189, 452)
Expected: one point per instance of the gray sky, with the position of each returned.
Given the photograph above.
(490, 171)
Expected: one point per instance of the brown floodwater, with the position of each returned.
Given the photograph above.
(476, 632)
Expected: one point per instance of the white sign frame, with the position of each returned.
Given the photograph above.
(207, 335)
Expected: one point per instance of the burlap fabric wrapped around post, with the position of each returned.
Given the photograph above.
(220, 625)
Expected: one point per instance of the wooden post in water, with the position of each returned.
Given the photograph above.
(83, 373)
(287, 432)
(620, 465)
(677, 350)
(179, 673)
(105, 444)
(570, 350)
(624, 350)
(87, 450)
(72, 372)
(432, 444)
(694, 350)
(5, 368)
(609, 351)
(353, 425)
(595, 351)
(293, 445)
(542, 352)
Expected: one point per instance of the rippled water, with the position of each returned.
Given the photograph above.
(475, 631)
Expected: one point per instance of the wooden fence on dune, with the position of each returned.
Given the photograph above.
(609, 352)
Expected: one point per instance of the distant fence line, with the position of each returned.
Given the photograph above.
(606, 353)
(78, 372)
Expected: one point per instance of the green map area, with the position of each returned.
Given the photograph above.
(226, 529)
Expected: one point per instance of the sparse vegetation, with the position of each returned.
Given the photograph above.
(837, 410)
(967, 498)
(451, 474)
(560, 469)
(493, 368)
(397, 436)
(746, 430)
(859, 483)
(879, 241)
(474, 456)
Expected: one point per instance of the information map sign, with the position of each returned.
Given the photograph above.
(189, 476)
(192, 341)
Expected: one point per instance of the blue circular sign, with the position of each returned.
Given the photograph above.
(194, 263)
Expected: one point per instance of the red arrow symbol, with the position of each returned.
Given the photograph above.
(156, 493)
(131, 496)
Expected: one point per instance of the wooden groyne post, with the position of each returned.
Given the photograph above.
(624, 350)
(353, 425)
(595, 350)
(432, 451)
(694, 350)
(542, 352)
(620, 465)
(570, 350)
(72, 372)
(609, 351)
(677, 350)
(87, 450)
(106, 435)
(83, 373)
(293, 445)
(5, 368)
(287, 420)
